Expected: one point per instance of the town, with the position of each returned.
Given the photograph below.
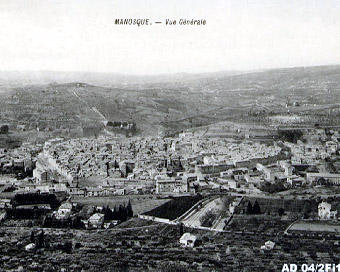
(173, 136)
(200, 194)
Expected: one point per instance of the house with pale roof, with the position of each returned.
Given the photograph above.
(187, 240)
(96, 221)
(64, 210)
(325, 211)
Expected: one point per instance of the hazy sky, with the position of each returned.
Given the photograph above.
(243, 35)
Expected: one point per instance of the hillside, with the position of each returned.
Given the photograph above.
(169, 103)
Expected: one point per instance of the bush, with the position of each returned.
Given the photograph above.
(290, 135)
(78, 245)
(208, 219)
(256, 208)
(36, 198)
(68, 247)
(281, 211)
(4, 129)
(273, 187)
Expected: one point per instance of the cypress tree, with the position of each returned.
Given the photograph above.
(129, 209)
(249, 208)
(32, 237)
(256, 208)
(41, 240)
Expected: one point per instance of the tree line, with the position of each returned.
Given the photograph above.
(253, 209)
(36, 198)
(120, 213)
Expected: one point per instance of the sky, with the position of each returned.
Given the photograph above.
(80, 35)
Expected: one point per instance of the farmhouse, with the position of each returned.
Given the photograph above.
(96, 220)
(325, 212)
(187, 240)
(268, 245)
(64, 210)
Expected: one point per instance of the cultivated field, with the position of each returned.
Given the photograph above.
(315, 226)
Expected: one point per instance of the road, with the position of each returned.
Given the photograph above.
(94, 109)
(88, 105)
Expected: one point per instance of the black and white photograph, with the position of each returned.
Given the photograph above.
(169, 136)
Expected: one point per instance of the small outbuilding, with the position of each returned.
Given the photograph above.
(269, 245)
(96, 220)
(30, 247)
(188, 240)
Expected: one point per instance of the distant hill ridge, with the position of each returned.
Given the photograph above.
(108, 79)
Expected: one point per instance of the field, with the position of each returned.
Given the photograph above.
(315, 226)
(140, 204)
(174, 208)
(270, 220)
(257, 223)
(271, 206)
(148, 246)
(323, 191)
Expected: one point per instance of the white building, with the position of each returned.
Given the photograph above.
(171, 186)
(324, 211)
(331, 178)
(187, 240)
(96, 221)
(269, 245)
(64, 210)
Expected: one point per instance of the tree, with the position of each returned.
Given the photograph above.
(181, 229)
(226, 202)
(32, 237)
(4, 129)
(256, 208)
(77, 223)
(10, 189)
(281, 211)
(208, 219)
(116, 165)
(249, 208)
(41, 240)
(129, 209)
(116, 124)
(290, 135)
(122, 213)
(68, 247)
(305, 210)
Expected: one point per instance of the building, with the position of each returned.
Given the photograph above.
(42, 176)
(325, 212)
(64, 210)
(269, 245)
(187, 240)
(331, 147)
(167, 186)
(76, 191)
(323, 177)
(96, 221)
(295, 181)
(93, 191)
